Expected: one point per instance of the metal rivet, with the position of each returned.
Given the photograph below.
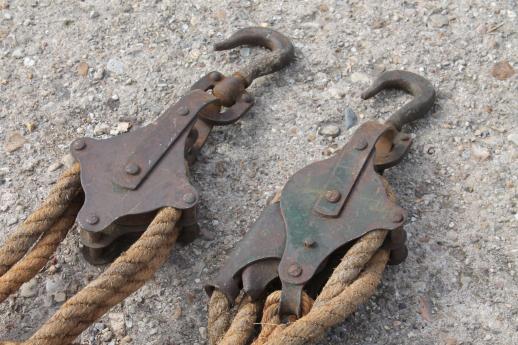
(248, 98)
(132, 169)
(361, 145)
(308, 243)
(189, 198)
(92, 219)
(333, 196)
(183, 111)
(294, 270)
(216, 76)
(398, 217)
(79, 144)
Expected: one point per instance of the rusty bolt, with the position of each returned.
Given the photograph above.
(92, 219)
(189, 198)
(361, 145)
(79, 144)
(309, 242)
(248, 98)
(215, 76)
(333, 196)
(183, 111)
(294, 270)
(398, 217)
(132, 169)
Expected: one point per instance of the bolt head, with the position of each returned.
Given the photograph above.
(398, 217)
(215, 76)
(132, 169)
(309, 243)
(295, 270)
(92, 219)
(248, 98)
(183, 111)
(189, 198)
(79, 144)
(361, 145)
(333, 196)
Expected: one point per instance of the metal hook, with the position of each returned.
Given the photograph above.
(282, 53)
(416, 85)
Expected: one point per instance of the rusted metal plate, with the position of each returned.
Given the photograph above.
(143, 148)
(265, 240)
(367, 206)
(102, 160)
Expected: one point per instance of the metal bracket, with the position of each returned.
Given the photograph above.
(128, 177)
(323, 207)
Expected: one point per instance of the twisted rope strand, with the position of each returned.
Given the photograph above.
(25, 269)
(128, 273)
(58, 200)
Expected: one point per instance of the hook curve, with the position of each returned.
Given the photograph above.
(282, 51)
(414, 84)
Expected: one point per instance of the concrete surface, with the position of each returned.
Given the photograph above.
(88, 68)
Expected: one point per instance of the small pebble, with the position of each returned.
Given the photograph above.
(28, 62)
(60, 297)
(29, 289)
(513, 137)
(203, 332)
(351, 119)
(480, 153)
(439, 20)
(17, 53)
(115, 65)
(14, 141)
(330, 131)
(98, 74)
(101, 129)
(358, 77)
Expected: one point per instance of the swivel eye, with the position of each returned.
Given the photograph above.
(419, 87)
(282, 52)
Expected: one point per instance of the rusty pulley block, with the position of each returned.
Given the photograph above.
(327, 205)
(128, 177)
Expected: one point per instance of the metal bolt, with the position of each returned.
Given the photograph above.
(79, 144)
(248, 98)
(398, 217)
(92, 219)
(189, 198)
(309, 242)
(132, 169)
(361, 145)
(215, 76)
(333, 196)
(183, 111)
(294, 270)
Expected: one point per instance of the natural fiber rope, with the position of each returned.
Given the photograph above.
(25, 269)
(271, 321)
(19, 242)
(243, 324)
(219, 316)
(128, 273)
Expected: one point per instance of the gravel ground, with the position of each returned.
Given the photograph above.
(88, 68)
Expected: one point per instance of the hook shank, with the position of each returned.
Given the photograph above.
(416, 85)
(282, 51)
